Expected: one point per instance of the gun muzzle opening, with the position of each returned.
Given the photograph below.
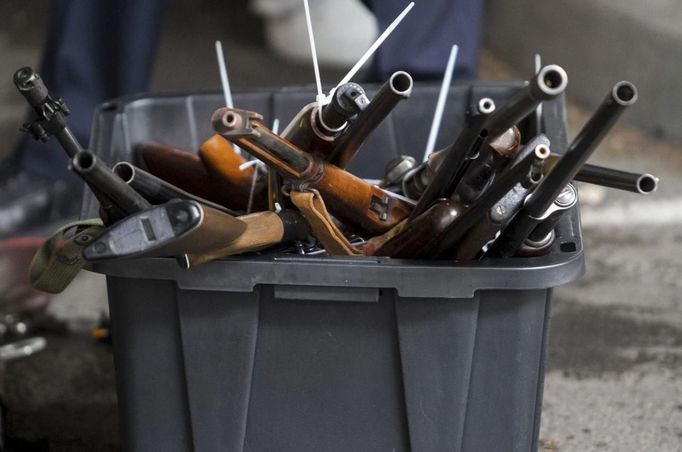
(625, 93)
(552, 80)
(647, 183)
(231, 120)
(486, 106)
(125, 171)
(84, 161)
(24, 77)
(401, 83)
(542, 151)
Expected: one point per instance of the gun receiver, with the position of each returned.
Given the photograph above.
(621, 96)
(316, 128)
(156, 190)
(541, 238)
(493, 156)
(499, 215)
(397, 88)
(416, 182)
(425, 235)
(612, 178)
(348, 197)
(451, 163)
(548, 83)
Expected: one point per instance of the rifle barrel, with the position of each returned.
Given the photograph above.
(622, 95)
(157, 190)
(620, 180)
(397, 88)
(547, 84)
(103, 180)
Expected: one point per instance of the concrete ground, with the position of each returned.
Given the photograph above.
(596, 40)
(615, 367)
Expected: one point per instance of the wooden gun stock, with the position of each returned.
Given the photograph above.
(213, 174)
(263, 230)
(181, 168)
(224, 167)
(173, 228)
(348, 197)
(182, 226)
(415, 240)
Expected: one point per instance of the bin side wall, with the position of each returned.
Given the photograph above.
(209, 370)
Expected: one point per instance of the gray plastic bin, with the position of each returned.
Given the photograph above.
(294, 353)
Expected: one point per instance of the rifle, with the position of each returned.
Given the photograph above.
(538, 206)
(397, 88)
(548, 83)
(51, 112)
(224, 166)
(116, 199)
(438, 229)
(499, 215)
(316, 128)
(612, 178)
(541, 238)
(185, 226)
(156, 190)
(214, 174)
(440, 174)
(349, 198)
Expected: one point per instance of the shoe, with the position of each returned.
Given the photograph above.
(30, 205)
(343, 29)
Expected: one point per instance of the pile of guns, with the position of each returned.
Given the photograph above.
(491, 193)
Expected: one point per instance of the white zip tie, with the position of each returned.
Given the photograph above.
(225, 82)
(440, 105)
(318, 81)
(373, 48)
(405, 199)
(253, 162)
(249, 205)
(275, 126)
(538, 110)
(227, 92)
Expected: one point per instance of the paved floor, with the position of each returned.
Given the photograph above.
(615, 369)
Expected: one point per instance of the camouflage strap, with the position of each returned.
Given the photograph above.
(59, 260)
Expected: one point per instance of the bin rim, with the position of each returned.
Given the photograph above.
(410, 278)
